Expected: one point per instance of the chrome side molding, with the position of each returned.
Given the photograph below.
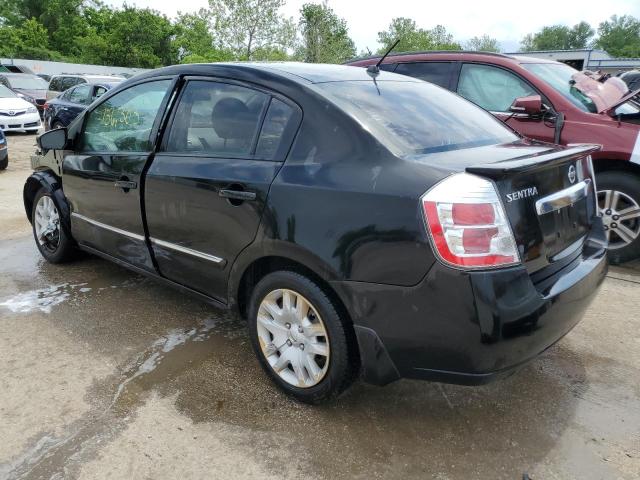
(188, 251)
(563, 198)
(104, 226)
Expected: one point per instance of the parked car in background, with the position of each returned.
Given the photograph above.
(62, 83)
(4, 151)
(16, 114)
(378, 226)
(62, 110)
(27, 86)
(550, 101)
(44, 76)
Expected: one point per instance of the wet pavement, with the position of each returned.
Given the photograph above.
(106, 374)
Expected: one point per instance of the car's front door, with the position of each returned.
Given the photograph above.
(206, 188)
(102, 177)
(495, 89)
(74, 103)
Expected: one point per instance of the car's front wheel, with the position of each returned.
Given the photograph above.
(4, 163)
(300, 339)
(51, 239)
(619, 203)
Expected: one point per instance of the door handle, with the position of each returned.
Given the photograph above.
(237, 194)
(125, 184)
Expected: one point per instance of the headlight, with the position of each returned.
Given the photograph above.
(32, 110)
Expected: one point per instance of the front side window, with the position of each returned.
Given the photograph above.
(218, 119)
(491, 88)
(124, 122)
(560, 77)
(80, 95)
(434, 72)
(416, 118)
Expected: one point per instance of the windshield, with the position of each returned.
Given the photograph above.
(6, 93)
(558, 76)
(413, 118)
(27, 82)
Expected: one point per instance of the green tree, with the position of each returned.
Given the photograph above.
(485, 43)
(413, 38)
(620, 36)
(252, 29)
(325, 37)
(193, 40)
(10, 42)
(558, 37)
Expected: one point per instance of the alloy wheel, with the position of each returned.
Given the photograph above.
(47, 224)
(621, 217)
(293, 338)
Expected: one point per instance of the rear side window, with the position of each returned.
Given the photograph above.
(278, 120)
(434, 72)
(491, 88)
(218, 119)
(415, 118)
(124, 122)
(80, 95)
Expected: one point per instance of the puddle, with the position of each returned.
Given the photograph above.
(61, 456)
(44, 299)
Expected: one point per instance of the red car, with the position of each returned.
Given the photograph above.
(552, 102)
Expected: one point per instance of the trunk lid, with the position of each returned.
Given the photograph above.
(549, 200)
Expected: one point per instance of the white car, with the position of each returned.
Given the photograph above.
(17, 114)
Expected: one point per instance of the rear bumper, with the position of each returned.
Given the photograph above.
(469, 327)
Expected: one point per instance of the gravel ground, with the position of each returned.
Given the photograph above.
(105, 374)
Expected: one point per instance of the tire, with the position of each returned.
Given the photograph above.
(4, 163)
(57, 125)
(620, 192)
(58, 246)
(328, 375)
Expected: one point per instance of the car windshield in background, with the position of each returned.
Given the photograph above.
(413, 118)
(6, 93)
(27, 82)
(559, 77)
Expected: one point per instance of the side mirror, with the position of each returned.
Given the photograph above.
(53, 139)
(531, 105)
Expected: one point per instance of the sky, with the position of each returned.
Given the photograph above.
(507, 21)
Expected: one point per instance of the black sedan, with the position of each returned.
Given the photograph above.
(365, 223)
(62, 110)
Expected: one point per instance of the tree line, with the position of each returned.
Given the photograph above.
(89, 31)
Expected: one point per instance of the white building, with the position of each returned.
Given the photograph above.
(586, 59)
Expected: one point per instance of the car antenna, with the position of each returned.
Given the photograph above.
(374, 70)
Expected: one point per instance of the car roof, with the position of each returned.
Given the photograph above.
(298, 72)
(449, 55)
(17, 74)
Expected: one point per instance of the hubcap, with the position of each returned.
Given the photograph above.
(621, 217)
(293, 338)
(47, 224)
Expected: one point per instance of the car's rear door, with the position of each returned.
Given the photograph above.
(495, 88)
(102, 177)
(206, 188)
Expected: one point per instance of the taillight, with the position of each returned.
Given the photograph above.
(467, 223)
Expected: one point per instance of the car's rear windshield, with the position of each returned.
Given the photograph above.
(27, 82)
(414, 118)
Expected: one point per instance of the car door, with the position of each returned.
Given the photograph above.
(494, 89)
(206, 188)
(102, 176)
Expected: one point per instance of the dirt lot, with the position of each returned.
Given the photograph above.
(105, 374)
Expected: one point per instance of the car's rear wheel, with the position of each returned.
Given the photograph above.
(51, 239)
(619, 203)
(299, 337)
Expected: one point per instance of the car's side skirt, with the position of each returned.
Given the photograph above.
(216, 303)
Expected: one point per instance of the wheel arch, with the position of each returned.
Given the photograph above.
(612, 164)
(47, 179)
